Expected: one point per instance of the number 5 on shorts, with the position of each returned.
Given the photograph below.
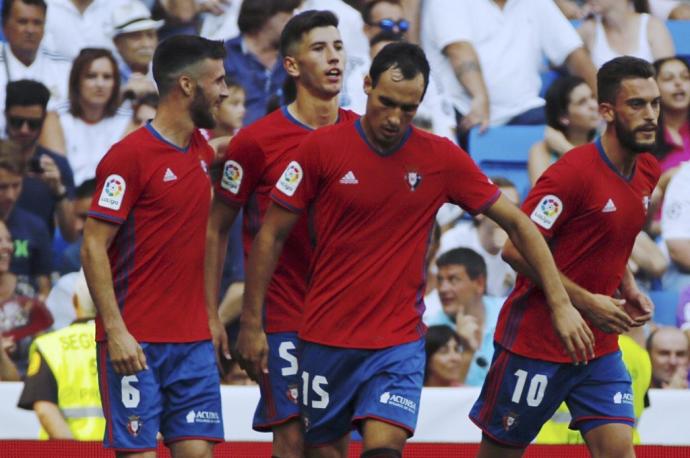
(130, 394)
(284, 352)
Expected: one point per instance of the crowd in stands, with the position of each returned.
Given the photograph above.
(76, 77)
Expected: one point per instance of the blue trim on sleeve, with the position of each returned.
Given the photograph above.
(106, 217)
(607, 161)
(156, 134)
(284, 204)
(394, 149)
(489, 202)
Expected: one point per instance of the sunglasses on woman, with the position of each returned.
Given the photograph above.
(403, 25)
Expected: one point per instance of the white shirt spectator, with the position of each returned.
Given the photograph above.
(510, 43)
(675, 216)
(86, 144)
(601, 51)
(68, 31)
(500, 276)
(222, 26)
(663, 8)
(48, 68)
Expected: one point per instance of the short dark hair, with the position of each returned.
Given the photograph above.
(80, 67)
(436, 337)
(369, 6)
(255, 14)
(558, 99)
(11, 159)
(178, 52)
(613, 72)
(302, 23)
(25, 93)
(407, 57)
(86, 189)
(386, 35)
(474, 264)
(7, 6)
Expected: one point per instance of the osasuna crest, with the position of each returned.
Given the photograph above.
(413, 179)
(134, 425)
(510, 420)
(292, 393)
(645, 203)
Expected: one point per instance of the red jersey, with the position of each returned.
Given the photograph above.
(160, 196)
(590, 216)
(371, 217)
(255, 158)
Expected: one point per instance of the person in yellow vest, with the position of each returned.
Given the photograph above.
(636, 359)
(62, 380)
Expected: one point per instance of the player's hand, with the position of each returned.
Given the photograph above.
(478, 116)
(126, 355)
(641, 307)
(607, 314)
(219, 337)
(252, 349)
(574, 333)
(467, 327)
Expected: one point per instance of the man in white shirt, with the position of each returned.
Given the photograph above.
(24, 57)
(487, 55)
(675, 229)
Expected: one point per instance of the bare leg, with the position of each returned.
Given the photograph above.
(610, 440)
(287, 440)
(196, 448)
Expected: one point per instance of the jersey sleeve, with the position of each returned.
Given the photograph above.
(118, 185)
(298, 183)
(243, 165)
(554, 199)
(466, 185)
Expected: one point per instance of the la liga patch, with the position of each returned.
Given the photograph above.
(113, 192)
(232, 177)
(547, 211)
(291, 178)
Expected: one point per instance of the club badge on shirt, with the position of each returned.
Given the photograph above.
(232, 176)
(113, 192)
(291, 178)
(413, 179)
(547, 211)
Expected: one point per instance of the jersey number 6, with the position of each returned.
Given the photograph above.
(130, 394)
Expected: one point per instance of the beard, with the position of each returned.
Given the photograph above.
(626, 137)
(200, 111)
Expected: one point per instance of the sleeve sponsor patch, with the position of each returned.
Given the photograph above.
(291, 178)
(232, 176)
(113, 192)
(547, 211)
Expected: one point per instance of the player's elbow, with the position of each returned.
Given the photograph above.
(510, 254)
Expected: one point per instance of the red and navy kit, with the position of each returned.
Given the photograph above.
(160, 195)
(255, 159)
(371, 217)
(590, 216)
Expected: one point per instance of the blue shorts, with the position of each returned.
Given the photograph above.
(520, 394)
(341, 387)
(178, 395)
(280, 387)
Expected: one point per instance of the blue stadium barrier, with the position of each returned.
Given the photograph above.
(680, 32)
(503, 151)
(665, 305)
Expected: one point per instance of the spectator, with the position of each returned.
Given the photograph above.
(624, 27)
(489, 62)
(670, 9)
(231, 113)
(461, 281)
(675, 229)
(683, 311)
(445, 364)
(25, 55)
(71, 261)
(31, 261)
(486, 238)
(144, 109)
(21, 317)
(48, 188)
(62, 380)
(72, 25)
(572, 110)
(221, 24)
(253, 59)
(8, 371)
(92, 123)
(135, 38)
(668, 349)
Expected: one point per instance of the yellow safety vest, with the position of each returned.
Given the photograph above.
(636, 360)
(71, 356)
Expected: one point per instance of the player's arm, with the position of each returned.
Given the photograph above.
(125, 353)
(263, 257)
(220, 220)
(51, 419)
(571, 328)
